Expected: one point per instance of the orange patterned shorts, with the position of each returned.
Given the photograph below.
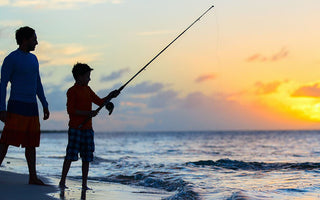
(22, 126)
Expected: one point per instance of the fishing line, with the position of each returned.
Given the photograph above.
(143, 68)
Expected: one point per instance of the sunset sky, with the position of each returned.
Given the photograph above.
(245, 65)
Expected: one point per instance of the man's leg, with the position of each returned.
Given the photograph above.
(65, 170)
(30, 153)
(3, 152)
(85, 170)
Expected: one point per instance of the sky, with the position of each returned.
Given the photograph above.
(246, 65)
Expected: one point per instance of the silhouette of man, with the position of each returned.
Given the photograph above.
(21, 115)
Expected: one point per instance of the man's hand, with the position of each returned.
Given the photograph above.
(46, 113)
(3, 116)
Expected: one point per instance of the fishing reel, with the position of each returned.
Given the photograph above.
(109, 106)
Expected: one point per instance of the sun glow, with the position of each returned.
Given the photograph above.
(275, 100)
(308, 111)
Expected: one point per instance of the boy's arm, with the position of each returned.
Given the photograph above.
(111, 95)
(71, 98)
(92, 113)
(97, 100)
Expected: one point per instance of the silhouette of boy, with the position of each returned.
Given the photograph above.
(79, 107)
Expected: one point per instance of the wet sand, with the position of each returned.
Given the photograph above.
(15, 186)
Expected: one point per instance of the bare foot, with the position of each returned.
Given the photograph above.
(86, 188)
(36, 181)
(62, 185)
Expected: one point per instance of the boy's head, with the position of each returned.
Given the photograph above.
(81, 73)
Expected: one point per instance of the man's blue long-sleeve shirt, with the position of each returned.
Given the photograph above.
(21, 69)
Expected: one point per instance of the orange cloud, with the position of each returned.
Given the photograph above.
(205, 78)
(283, 53)
(267, 88)
(312, 91)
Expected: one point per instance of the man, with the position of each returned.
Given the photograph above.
(21, 116)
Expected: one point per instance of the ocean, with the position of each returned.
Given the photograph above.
(190, 165)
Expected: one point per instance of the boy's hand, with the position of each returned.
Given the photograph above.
(114, 94)
(3, 116)
(94, 113)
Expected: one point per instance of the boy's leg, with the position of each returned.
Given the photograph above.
(30, 153)
(3, 152)
(86, 153)
(85, 170)
(65, 170)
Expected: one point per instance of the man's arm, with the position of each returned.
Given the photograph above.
(42, 98)
(3, 116)
(6, 72)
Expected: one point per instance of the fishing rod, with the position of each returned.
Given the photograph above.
(124, 85)
(143, 68)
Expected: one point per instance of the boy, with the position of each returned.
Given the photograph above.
(79, 106)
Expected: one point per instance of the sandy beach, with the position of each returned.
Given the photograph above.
(15, 186)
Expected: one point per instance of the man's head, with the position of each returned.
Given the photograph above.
(26, 38)
(81, 73)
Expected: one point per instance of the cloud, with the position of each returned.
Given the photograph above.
(4, 2)
(165, 110)
(2, 53)
(55, 4)
(206, 77)
(163, 99)
(312, 91)
(116, 1)
(7, 27)
(198, 111)
(145, 88)
(10, 23)
(57, 98)
(267, 88)
(160, 108)
(283, 53)
(62, 54)
(115, 75)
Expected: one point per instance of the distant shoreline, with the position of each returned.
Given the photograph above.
(49, 131)
(182, 131)
(54, 131)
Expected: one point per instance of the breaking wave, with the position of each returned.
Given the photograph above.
(241, 165)
(159, 180)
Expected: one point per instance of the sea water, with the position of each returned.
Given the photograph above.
(196, 164)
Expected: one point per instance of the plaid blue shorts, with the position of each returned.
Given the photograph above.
(80, 141)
